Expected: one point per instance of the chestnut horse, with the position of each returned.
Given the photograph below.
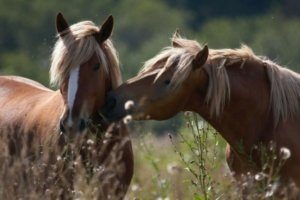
(84, 67)
(249, 99)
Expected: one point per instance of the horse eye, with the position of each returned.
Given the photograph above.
(96, 66)
(167, 82)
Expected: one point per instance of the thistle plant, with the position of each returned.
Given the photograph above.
(200, 161)
(203, 149)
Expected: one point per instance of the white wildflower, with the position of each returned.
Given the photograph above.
(108, 134)
(127, 119)
(129, 105)
(90, 142)
(135, 187)
(173, 168)
(58, 158)
(285, 153)
(260, 176)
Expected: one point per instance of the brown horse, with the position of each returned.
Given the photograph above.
(250, 100)
(84, 67)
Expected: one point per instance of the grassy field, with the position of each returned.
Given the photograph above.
(188, 165)
(183, 166)
(192, 166)
(161, 173)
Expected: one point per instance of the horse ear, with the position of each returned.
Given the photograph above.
(106, 30)
(201, 57)
(176, 35)
(61, 23)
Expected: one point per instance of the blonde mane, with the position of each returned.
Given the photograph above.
(284, 83)
(76, 47)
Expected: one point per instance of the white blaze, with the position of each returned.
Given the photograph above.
(72, 91)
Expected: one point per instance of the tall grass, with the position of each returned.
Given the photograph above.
(56, 169)
(192, 165)
(189, 165)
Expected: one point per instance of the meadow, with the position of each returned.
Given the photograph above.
(187, 165)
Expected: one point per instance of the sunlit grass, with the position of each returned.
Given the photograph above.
(35, 169)
(191, 165)
(187, 165)
(162, 173)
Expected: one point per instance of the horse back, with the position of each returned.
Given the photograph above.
(28, 106)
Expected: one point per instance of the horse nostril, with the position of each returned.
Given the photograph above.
(82, 125)
(61, 127)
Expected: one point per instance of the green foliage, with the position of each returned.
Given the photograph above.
(142, 31)
(22, 64)
(203, 149)
(271, 35)
(202, 10)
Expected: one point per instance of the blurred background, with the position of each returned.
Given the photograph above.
(143, 28)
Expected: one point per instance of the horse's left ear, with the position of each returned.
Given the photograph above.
(106, 30)
(61, 23)
(174, 37)
(201, 58)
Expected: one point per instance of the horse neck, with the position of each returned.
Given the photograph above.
(246, 118)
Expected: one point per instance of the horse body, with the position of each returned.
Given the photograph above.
(246, 121)
(27, 105)
(249, 100)
(84, 68)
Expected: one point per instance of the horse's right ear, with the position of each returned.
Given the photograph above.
(201, 58)
(105, 30)
(61, 23)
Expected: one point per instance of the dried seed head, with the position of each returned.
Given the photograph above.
(260, 176)
(285, 153)
(108, 134)
(129, 105)
(173, 168)
(127, 119)
(135, 187)
(90, 142)
(58, 158)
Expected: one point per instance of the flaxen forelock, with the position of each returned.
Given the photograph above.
(76, 46)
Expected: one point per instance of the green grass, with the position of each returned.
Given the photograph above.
(177, 167)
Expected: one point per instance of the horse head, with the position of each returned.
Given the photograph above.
(163, 86)
(85, 67)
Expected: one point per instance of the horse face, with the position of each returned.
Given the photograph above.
(83, 93)
(84, 90)
(148, 96)
(143, 98)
